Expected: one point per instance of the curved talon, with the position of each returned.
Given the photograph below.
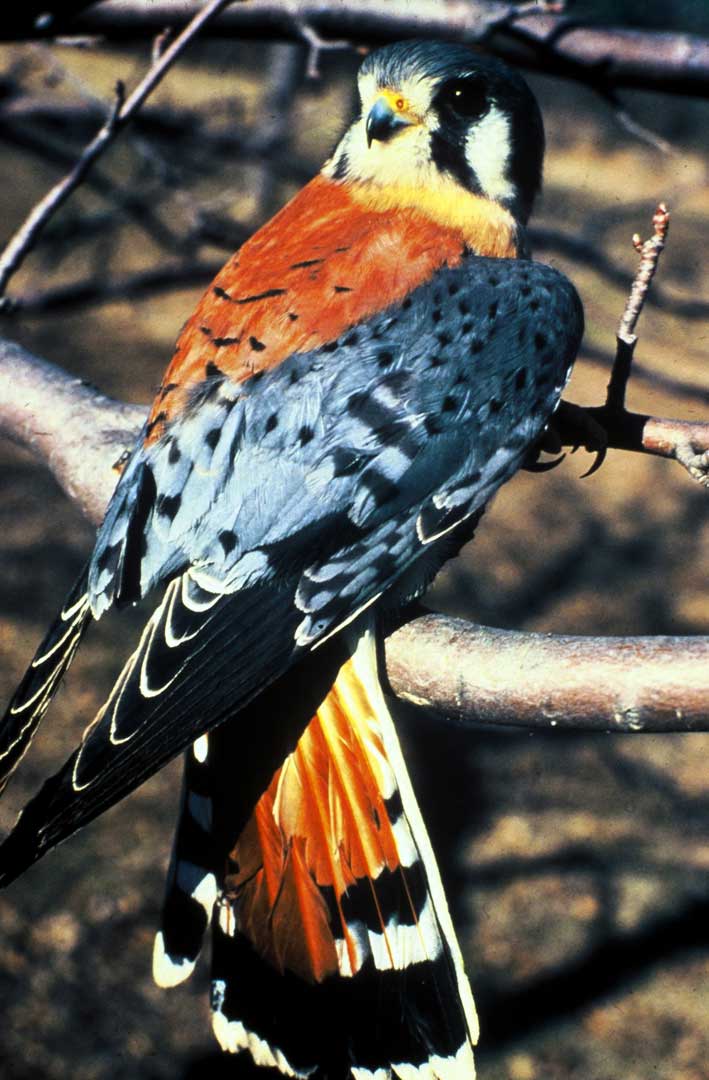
(544, 466)
(600, 458)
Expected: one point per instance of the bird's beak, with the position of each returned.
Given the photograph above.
(384, 121)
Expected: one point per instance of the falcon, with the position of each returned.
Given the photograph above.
(349, 394)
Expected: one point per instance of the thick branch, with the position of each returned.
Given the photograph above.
(77, 432)
(604, 56)
(609, 56)
(529, 680)
(471, 673)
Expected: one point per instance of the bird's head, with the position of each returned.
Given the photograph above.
(440, 122)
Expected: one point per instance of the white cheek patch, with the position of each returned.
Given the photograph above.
(487, 150)
(406, 159)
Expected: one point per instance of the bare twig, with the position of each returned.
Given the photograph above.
(130, 203)
(123, 109)
(27, 235)
(649, 252)
(317, 45)
(635, 128)
(360, 20)
(607, 56)
(626, 338)
(691, 391)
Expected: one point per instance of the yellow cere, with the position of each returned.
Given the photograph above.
(399, 104)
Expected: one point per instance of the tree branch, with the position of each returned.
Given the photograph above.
(602, 56)
(490, 676)
(123, 110)
(608, 57)
(649, 252)
(77, 432)
(611, 425)
(468, 672)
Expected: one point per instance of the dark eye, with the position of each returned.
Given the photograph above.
(464, 97)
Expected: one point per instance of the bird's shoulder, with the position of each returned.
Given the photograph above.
(326, 262)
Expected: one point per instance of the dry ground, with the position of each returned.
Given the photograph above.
(578, 867)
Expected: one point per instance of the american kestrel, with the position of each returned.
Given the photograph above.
(352, 389)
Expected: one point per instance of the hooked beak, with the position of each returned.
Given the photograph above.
(383, 121)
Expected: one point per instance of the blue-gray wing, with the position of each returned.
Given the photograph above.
(279, 508)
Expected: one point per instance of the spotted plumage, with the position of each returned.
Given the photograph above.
(352, 389)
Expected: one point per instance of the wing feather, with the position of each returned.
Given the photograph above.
(34, 694)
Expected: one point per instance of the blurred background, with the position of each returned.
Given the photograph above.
(577, 866)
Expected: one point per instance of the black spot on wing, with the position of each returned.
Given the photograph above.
(381, 488)
(168, 506)
(346, 462)
(227, 539)
(109, 558)
(223, 342)
(260, 296)
(144, 499)
(305, 263)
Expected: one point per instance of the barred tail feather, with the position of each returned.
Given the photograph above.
(334, 954)
(191, 881)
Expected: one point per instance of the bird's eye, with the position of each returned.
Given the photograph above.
(464, 97)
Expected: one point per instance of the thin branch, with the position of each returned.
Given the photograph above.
(29, 232)
(649, 252)
(317, 45)
(126, 201)
(636, 129)
(626, 337)
(123, 109)
(603, 56)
